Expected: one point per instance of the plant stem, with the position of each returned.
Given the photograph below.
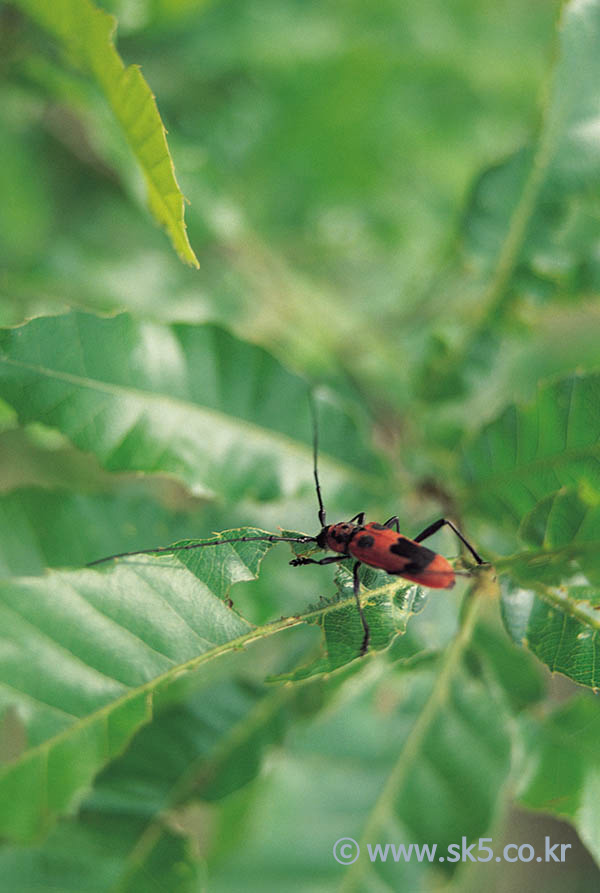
(414, 742)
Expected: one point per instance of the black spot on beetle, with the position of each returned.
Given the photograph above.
(378, 527)
(419, 556)
(365, 541)
(412, 567)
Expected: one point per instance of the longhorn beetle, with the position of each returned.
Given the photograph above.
(378, 545)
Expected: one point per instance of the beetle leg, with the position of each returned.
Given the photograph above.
(360, 519)
(367, 632)
(433, 528)
(301, 560)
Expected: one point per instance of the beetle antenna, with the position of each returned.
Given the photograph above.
(268, 538)
(315, 421)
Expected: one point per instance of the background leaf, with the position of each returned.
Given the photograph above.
(531, 451)
(221, 732)
(187, 400)
(86, 32)
(41, 528)
(534, 211)
(514, 469)
(371, 791)
(443, 306)
(561, 774)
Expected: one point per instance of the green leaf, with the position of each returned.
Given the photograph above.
(551, 602)
(403, 758)
(559, 625)
(193, 401)
(532, 451)
(515, 468)
(127, 827)
(388, 608)
(562, 767)
(565, 527)
(84, 654)
(42, 528)
(556, 257)
(86, 33)
(515, 670)
(566, 162)
(521, 209)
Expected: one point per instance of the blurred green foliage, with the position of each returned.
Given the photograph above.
(399, 204)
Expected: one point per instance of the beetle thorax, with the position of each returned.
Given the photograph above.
(337, 536)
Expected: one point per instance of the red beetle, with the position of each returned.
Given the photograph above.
(378, 545)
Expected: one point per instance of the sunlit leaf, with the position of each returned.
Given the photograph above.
(208, 747)
(86, 32)
(193, 401)
(84, 654)
(87, 651)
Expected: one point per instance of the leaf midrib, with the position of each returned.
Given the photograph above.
(193, 663)
(566, 605)
(294, 446)
(412, 745)
(573, 549)
(591, 450)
